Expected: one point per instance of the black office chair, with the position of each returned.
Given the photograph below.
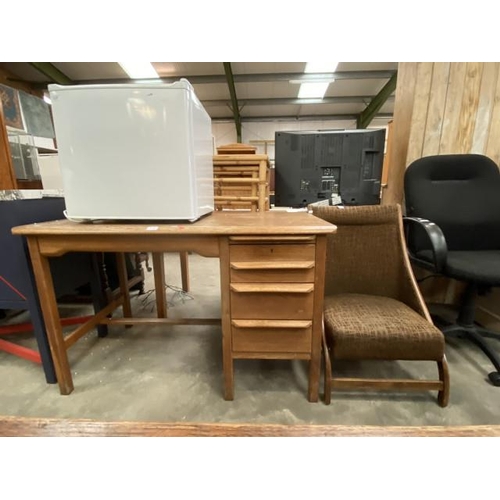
(452, 225)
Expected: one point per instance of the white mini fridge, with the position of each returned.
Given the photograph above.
(134, 151)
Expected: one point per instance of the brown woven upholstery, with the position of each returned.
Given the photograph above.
(373, 308)
(375, 327)
(367, 254)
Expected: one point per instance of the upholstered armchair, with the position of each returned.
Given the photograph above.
(373, 308)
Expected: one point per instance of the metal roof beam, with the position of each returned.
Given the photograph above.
(234, 99)
(252, 78)
(290, 118)
(315, 77)
(287, 77)
(293, 101)
(367, 115)
(50, 71)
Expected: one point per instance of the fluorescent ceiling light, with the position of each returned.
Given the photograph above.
(139, 70)
(321, 67)
(317, 89)
(313, 90)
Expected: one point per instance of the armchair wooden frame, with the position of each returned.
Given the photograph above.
(331, 382)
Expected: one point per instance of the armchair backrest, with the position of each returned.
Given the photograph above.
(367, 253)
(461, 194)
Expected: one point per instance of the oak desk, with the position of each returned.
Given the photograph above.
(272, 281)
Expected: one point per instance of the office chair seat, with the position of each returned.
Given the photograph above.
(482, 267)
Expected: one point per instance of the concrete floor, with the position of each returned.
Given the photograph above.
(174, 374)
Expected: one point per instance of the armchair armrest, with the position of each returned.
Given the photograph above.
(435, 237)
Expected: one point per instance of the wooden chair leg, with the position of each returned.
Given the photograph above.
(184, 270)
(444, 376)
(328, 370)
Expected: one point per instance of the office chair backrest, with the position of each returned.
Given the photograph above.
(461, 194)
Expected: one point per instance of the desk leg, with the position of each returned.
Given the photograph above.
(48, 303)
(159, 276)
(98, 286)
(184, 270)
(319, 293)
(39, 329)
(227, 358)
(123, 279)
(41, 335)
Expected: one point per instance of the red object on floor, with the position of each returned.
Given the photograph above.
(22, 352)
(28, 327)
(25, 352)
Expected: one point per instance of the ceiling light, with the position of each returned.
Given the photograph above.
(321, 67)
(313, 90)
(312, 80)
(317, 89)
(137, 70)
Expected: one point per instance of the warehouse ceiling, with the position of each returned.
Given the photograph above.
(247, 91)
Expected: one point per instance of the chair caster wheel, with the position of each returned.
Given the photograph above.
(495, 378)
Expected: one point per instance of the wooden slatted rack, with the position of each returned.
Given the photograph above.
(241, 181)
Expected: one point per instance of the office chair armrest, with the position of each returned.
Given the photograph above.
(435, 237)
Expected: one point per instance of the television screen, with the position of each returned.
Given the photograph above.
(344, 166)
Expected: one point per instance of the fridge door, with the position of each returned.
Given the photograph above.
(127, 151)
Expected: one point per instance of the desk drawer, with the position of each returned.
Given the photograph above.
(293, 301)
(278, 263)
(271, 336)
(298, 271)
(272, 252)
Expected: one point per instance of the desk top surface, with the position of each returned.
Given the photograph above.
(216, 223)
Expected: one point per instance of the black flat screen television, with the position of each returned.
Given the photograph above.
(314, 165)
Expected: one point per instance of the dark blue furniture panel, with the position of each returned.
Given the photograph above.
(17, 286)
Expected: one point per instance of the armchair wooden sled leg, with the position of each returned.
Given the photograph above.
(331, 382)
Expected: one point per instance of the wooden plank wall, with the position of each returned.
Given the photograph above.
(443, 108)
(403, 113)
